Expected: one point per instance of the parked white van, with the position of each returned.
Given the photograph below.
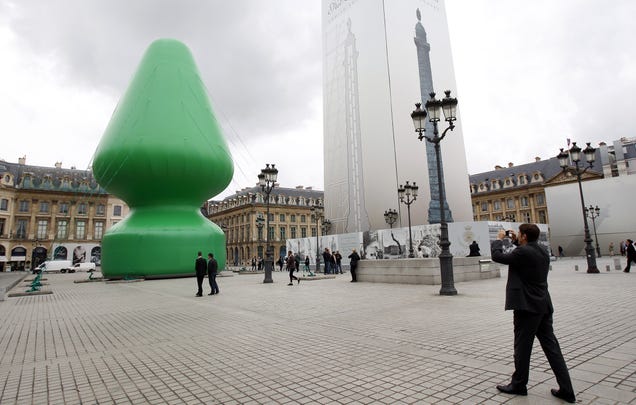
(84, 267)
(55, 265)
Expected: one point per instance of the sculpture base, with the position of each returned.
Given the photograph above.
(425, 271)
(156, 243)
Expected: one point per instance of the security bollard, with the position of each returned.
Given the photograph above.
(607, 268)
(576, 267)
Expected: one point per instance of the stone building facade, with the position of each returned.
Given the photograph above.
(517, 193)
(290, 217)
(52, 212)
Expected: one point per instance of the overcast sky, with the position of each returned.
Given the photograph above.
(529, 75)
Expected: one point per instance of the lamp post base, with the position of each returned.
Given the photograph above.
(589, 253)
(446, 269)
(269, 267)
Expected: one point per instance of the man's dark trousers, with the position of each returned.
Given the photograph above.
(526, 326)
(200, 278)
(214, 287)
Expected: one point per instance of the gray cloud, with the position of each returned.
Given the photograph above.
(260, 60)
(529, 74)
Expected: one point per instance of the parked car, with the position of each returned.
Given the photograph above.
(84, 267)
(55, 265)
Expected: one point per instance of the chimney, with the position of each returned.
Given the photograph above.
(299, 187)
(309, 188)
(22, 160)
(510, 164)
(497, 167)
(58, 165)
(537, 159)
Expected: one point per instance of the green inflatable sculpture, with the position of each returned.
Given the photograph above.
(164, 154)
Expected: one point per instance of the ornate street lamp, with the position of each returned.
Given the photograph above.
(267, 181)
(326, 226)
(593, 213)
(390, 216)
(316, 211)
(448, 105)
(408, 195)
(574, 155)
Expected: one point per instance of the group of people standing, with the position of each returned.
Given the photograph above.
(333, 262)
(201, 267)
(333, 265)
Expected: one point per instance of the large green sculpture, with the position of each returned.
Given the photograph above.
(164, 154)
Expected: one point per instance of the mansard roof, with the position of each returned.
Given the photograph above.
(548, 168)
(277, 191)
(56, 179)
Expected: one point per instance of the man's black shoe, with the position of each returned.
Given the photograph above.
(198, 295)
(564, 396)
(509, 389)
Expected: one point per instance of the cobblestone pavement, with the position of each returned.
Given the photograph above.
(323, 341)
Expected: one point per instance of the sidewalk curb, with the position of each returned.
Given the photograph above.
(4, 290)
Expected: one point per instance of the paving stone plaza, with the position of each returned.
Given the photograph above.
(323, 341)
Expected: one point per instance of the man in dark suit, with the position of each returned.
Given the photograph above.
(631, 254)
(200, 266)
(527, 295)
(213, 266)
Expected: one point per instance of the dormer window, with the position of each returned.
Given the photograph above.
(537, 177)
(522, 179)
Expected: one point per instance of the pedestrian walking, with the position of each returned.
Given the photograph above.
(254, 263)
(306, 263)
(213, 267)
(630, 251)
(291, 267)
(527, 295)
(611, 249)
(354, 258)
(561, 254)
(200, 267)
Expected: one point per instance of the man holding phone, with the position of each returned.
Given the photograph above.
(527, 295)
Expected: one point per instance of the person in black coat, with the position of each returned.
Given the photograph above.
(354, 258)
(527, 295)
(474, 249)
(631, 254)
(200, 267)
(213, 266)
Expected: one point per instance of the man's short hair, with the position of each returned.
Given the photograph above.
(210, 255)
(198, 253)
(531, 231)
